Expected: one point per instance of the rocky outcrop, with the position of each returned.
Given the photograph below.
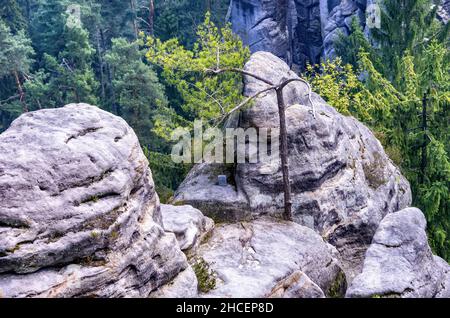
(270, 258)
(399, 263)
(298, 31)
(343, 183)
(79, 215)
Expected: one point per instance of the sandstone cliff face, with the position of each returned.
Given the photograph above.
(301, 31)
(79, 215)
(298, 31)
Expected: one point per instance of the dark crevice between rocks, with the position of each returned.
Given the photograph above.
(96, 198)
(16, 224)
(304, 183)
(97, 259)
(102, 222)
(261, 20)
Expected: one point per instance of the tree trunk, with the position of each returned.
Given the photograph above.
(21, 92)
(101, 64)
(133, 10)
(151, 18)
(284, 156)
(423, 165)
(111, 91)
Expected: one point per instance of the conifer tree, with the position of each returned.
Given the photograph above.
(15, 63)
(12, 15)
(139, 94)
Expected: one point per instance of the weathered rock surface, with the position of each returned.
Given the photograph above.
(343, 183)
(79, 215)
(271, 258)
(184, 285)
(188, 224)
(298, 31)
(399, 263)
(301, 31)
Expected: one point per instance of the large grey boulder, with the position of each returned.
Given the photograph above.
(79, 215)
(269, 258)
(343, 182)
(399, 263)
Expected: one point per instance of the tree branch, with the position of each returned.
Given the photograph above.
(8, 99)
(236, 70)
(243, 103)
(285, 83)
(222, 110)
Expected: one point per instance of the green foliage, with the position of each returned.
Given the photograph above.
(407, 26)
(205, 277)
(15, 63)
(11, 13)
(16, 51)
(47, 25)
(349, 47)
(339, 85)
(206, 97)
(417, 139)
(180, 18)
(166, 174)
(139, 95)
(71, 78)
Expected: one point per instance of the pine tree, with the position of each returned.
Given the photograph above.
(205, 97)
(67, 78)
(180, 18)
(47, 26)
(15, 63)
(405, 26)
(11, 14)
(75, 79)
(348, 47)
(139, 94)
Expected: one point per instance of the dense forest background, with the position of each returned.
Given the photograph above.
(143, 60)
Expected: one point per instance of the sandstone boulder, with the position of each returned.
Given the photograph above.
(399, 263)
(269, 258)
(79, 215)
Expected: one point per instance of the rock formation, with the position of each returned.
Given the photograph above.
(271, 258)
(300, 31)
(343, 183)
(79, 215)
(399, 263)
